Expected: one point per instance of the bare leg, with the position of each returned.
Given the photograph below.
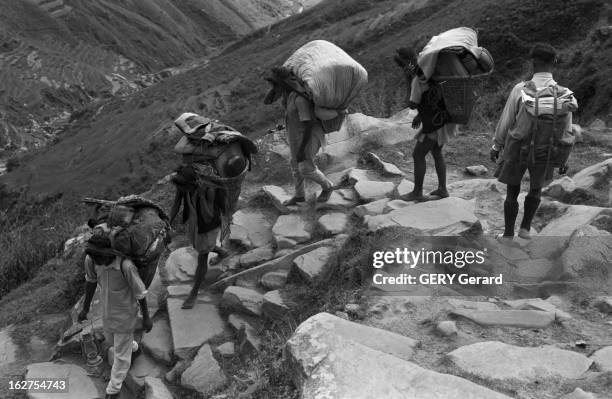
(200, 275)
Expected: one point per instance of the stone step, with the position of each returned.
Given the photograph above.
(507, 318)
(331, 357)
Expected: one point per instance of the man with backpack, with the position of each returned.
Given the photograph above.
(216, 159)
(535, 134)
(121, 293)
(305, 134)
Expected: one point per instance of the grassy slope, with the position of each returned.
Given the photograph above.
(116, 150)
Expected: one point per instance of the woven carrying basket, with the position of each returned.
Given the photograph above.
(460, 94)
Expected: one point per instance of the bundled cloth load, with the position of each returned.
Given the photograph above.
(218, 158)
(331, 78)
(453, 61)
(137, 228)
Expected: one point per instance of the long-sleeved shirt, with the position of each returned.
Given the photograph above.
(508, 122)
(120, 290)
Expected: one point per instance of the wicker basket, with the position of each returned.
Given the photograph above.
(460, 94)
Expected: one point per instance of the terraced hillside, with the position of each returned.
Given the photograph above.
(57, 55)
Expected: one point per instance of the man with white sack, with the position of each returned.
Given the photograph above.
(317, 83)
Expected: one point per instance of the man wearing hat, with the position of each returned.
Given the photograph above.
(513, 133)
(121, 291)
(305, 133)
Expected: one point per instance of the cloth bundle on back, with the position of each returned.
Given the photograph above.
(216, 158)
(332, 79)
(137, 228)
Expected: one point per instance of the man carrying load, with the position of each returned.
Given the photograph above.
(317, 83)
(535, 134)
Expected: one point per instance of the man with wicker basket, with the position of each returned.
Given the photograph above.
(535, 134)
(443, 79)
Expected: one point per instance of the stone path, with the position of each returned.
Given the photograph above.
(385, 350)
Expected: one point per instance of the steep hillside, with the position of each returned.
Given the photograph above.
(122, 146)
(56, 56)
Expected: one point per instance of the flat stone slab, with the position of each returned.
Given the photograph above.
(278, 196)
(226, 350)
(312, 264)
(142, 367)
(204, 374)
(587, 247)
(256, 256)
(369, 191)
(193, 327)
(339, 200)
(243, 300)
(494, 360)
(404, 188)
(329, 357)
(250, 228)
(603, 359)
(80, 385)
(247, 331)
(477, 305)
(333, 223)
(158, 342)
(575, 216)
(448, 216)
(293, 227)
(397, 204)
(372, 208)
(508, 318)
(354, 175)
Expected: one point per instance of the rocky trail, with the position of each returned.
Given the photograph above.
(546, 332)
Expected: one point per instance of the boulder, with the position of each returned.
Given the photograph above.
(246, 328)
(312, 264)
(274, 307)
(448, 216)
(329, 357)
(188, 332)
(250, 228)
(181, 265)
(333, 223)
(274, 280)
(492, 360)
(361, 130)
(156, 389)
(404, 187)
(534, 270)
(293, 227)
(603, 359)
(204, 374)
(369, 191)
(226, 350)
(447, 328)
(507, 318)
(476, 170)
(596, 179)
(256, 256)
(561, 189)
(243, 300)
(386, 168)
(604, 304)
(158, 342)
(371, 208)
(588, 247)
(80, 385)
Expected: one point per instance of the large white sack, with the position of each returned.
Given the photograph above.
(333, 78)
